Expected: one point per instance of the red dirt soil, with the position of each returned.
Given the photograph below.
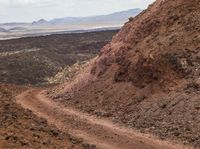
(148, 76)
(103, 134)
(21, 129)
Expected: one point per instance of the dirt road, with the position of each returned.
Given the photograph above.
(99, 132)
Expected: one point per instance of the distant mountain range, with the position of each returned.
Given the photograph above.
(2, 29)
(12, 29)
(66, 24)
(114, 18)
(118, 18)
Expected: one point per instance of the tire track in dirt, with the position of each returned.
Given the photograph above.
(102, 133)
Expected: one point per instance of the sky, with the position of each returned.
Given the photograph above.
(30, 10)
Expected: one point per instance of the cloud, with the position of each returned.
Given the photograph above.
(27, 3)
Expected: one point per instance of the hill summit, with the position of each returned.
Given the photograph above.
(40, 22)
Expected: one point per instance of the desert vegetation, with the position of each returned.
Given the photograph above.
(35, 60)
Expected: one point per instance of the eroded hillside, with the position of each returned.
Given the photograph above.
(148, 76)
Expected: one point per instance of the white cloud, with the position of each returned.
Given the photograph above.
(27, 3)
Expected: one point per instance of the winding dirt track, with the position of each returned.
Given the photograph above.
(102, 133)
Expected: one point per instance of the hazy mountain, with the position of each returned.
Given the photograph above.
(111, 19)
(118, 17)
(40, 22)
(3, 30)
(66, 25)
(18, 29)
(13, 24)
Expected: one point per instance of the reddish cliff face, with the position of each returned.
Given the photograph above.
(148, 76)
(160, 46)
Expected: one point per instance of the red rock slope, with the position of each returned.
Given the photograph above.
(148, 76)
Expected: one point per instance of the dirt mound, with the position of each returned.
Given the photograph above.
(148, 76)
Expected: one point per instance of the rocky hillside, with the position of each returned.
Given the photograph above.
(148, 76)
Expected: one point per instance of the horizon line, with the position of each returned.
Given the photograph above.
(26, 22)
